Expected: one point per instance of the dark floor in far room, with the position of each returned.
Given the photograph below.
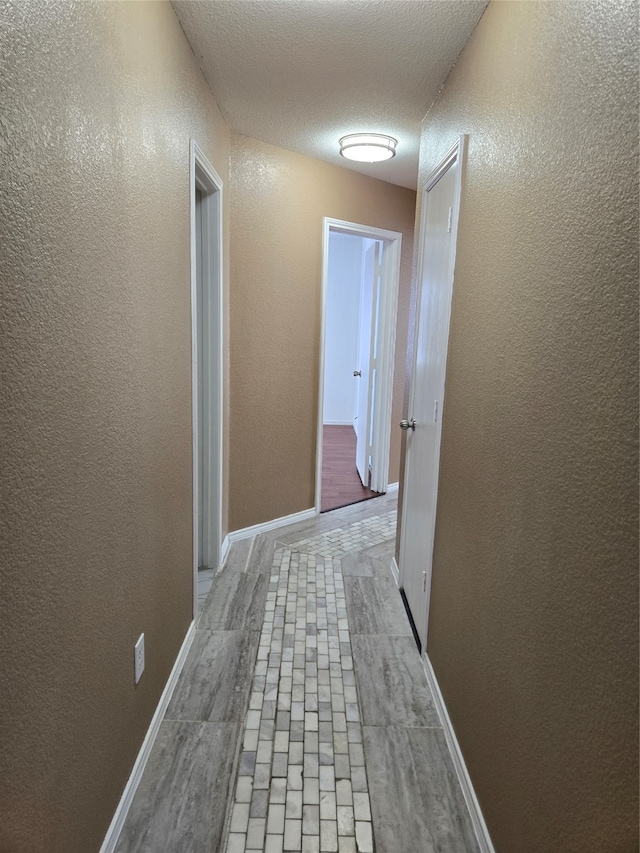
(341, 483)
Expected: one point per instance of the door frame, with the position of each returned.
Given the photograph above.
(390, 282)
(457, 152)
(204, 177)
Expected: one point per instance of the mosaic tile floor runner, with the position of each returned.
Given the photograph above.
(302, 783)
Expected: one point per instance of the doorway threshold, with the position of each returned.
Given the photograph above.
(352, 502)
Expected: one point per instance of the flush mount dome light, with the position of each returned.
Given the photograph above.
(368, 147)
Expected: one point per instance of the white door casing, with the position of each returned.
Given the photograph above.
(365, 365)
(436, 261)
(202, 395)
(386, 331)
(206, 360)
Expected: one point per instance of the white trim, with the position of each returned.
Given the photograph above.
(475, 812)
(115, 827)
(202, 172)
(323, 311)
(224, 549)
(266, 526)
(387, 335)
(338, 423)
(357, 230)
(455, 154)
(392, 487)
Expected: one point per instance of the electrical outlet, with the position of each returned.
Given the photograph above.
(138, 658)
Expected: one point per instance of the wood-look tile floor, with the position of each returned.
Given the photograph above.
(302, 721)
(341, 484)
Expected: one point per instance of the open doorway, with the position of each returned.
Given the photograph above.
(206, 355)
(361, 268)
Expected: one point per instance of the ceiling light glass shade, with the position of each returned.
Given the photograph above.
(368, 147)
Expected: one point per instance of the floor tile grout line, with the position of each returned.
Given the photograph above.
(202, 722)
(403, 728)
(354, 670)
(233, 782)
(249, 555)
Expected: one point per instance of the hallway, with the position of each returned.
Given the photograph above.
(302, 720)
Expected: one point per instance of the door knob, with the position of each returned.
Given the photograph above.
(357, 373)
(408, 424)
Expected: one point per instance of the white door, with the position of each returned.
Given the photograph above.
(365, 372)
(427, 390)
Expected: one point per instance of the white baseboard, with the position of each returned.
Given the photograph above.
(115, 828)
(224, 550)
(265, 527)
(479, 826)
(391, 488)
(337, 423)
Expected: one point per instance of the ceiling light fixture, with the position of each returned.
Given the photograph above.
(368, 147)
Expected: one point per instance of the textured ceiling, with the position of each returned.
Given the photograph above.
(302, 73)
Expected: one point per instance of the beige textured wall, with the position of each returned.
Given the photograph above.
(278, 201)
(99, 102)
(533, 631)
